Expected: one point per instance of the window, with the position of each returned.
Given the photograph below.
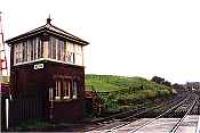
(50, 94)
(64, 51)
(74, 59)
(40, 49)
(28, 50)
(56, 49)
(78, 55)
(58, 90)
(60, 50)
(75, 89)
(66, 89)
(70, 55)
(34, 49)
(18, 53)
(32, 54)
(36, 44)
(52, 48)
(24, 51)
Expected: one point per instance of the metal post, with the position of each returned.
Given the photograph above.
(7, 113)
(51, 104)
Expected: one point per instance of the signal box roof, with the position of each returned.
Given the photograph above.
(52, 30)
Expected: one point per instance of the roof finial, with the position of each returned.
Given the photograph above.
(49, 19)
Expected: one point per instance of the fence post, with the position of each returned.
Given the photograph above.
(51, 104)
(7, 113)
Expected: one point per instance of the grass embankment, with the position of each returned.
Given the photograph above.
(118, 92)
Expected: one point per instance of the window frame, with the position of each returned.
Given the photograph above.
(58, 90)
(28, 51)
(75, 89)
(59, 50)
(67, 87)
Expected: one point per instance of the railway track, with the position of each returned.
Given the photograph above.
(184, 104)
(169, 104)
(174, 129)
(154, 119)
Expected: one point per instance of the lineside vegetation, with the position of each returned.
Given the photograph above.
(118, 92)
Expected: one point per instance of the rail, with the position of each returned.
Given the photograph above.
(149, 122)
(154, 119)
(174, 129)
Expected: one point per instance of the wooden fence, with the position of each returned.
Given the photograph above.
(24, 109)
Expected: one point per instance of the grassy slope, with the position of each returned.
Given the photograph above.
(109, 83)
(124, 90)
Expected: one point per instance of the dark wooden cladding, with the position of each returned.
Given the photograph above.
(27, 82)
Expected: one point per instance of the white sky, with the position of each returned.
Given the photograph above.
(127, 37)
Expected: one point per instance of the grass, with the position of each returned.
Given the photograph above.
(109, 83)
(118, 91)
(32, 125)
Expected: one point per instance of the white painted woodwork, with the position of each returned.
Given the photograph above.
(69, 51)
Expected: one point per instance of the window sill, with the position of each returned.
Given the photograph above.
(74, 97)
(47, 59)
(66, 97)
(62, 100)
(57, 98)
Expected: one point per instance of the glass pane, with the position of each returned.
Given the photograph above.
(75, 88)
(58, 89)
(66, 89)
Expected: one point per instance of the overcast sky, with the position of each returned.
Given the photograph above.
(127, 37)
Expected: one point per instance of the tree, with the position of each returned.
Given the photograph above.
(161, 81)
(157, 79)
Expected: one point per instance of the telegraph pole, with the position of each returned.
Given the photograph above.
(3, 61)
